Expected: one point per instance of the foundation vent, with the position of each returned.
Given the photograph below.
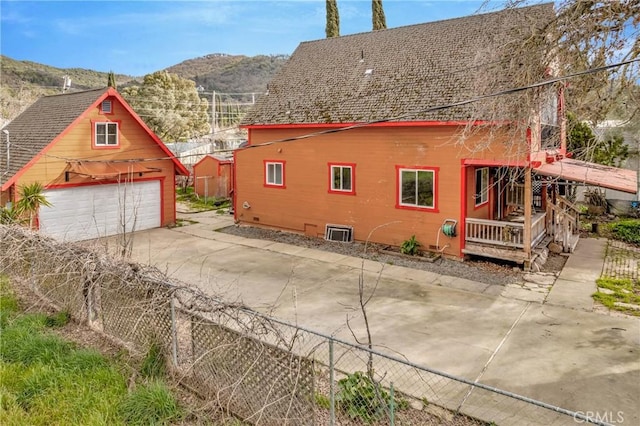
(340, 233)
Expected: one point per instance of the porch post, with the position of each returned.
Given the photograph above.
(528, 201)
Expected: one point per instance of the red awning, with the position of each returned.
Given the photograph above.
(591, 174)
(108, 169)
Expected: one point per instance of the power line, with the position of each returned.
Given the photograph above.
(386, 120)
(454, 104)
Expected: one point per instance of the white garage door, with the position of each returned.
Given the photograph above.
(92, 211)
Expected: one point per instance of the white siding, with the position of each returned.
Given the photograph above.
(92, 211)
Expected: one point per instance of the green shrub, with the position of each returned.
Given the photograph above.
(627, 230)
(150, 404)
(410, 246)
(361, 398)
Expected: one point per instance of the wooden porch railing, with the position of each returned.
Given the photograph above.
(501, 233)
(562, 222)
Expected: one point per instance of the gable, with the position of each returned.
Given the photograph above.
(395, 74)
(59, 129)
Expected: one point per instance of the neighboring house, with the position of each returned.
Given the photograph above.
(104, 171)
(213, 176)
(456, 178)
(621, 201)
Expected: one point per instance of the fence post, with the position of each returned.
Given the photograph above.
(392, 414)
(90, 296)
(332, 394)
(174, 331)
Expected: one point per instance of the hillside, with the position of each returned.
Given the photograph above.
(24, 81)
(231, 73)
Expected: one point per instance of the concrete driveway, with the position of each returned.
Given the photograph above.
(578, 360)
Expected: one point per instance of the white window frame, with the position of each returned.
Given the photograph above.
(482, 176)
(107, 134)
(416, 205)
(333, 181)
(273, 170)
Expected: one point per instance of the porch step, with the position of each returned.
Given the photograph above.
(539, 257)
(573, 242)
(504, 253)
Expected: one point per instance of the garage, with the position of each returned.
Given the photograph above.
(92, 211)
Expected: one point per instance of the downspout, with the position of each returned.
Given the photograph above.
(463, 207)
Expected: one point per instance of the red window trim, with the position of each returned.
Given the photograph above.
(475, 185)
(112, 105)
(93, 134)
(272, 185)
(330, 189)
(436, 171)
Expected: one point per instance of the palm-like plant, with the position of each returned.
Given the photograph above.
(9, 216)
(31, 198)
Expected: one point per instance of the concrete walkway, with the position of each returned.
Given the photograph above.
(557, 352)
(577, 281)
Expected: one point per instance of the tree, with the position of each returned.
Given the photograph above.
(584, 35)
(379, 20)
(580, 137)
(583, 143)
(333, 19)
(170, 106)
(31, 198)
(111, 80)
(574, 39)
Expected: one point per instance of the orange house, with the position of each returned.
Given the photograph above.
(371, 137)
(213, 176)
(104, 171)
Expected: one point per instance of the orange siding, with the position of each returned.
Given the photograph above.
(306, 205)
(76, 144)
(213, 176)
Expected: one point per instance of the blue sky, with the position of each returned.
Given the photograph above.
(140, 37)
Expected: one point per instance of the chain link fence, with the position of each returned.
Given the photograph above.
(253, 367)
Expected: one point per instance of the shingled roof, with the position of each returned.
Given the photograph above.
(394, 72)
(40, 124)
(45, 120)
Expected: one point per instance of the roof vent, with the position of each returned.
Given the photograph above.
(340, 233)
(368, 71)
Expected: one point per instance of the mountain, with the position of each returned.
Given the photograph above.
(23, 81)
(231, 73)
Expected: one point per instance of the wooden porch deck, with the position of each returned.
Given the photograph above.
(502, 239)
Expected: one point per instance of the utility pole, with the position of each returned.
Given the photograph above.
(213, 116)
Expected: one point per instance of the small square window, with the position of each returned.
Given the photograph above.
(106, 134)
(274, 174)
(342, 178)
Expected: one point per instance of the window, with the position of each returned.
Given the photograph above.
(549, 110)
(274, 173)
(106, 134)
(482, 186)
(417, 188)
(105, 107)
(342, 178)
